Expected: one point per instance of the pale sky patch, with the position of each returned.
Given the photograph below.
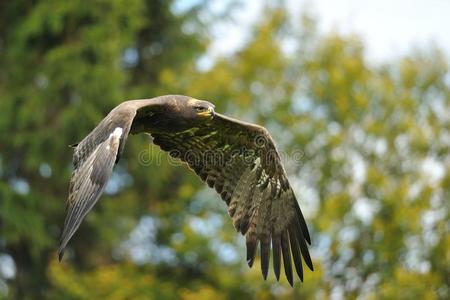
(389, 28)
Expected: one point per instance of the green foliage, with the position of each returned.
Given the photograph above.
(373, 177)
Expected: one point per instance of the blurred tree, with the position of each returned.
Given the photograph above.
(367, 149)
(63, 66)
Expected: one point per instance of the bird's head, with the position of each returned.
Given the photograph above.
(201, 109)
(194, 110)
(174, 113)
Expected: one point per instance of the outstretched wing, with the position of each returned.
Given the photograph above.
(241, 162)
(93, 161)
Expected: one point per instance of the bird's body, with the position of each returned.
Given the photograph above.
(236, 158)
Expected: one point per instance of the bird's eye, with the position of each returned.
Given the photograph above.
(200, 108)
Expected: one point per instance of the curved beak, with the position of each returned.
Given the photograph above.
(207, 113)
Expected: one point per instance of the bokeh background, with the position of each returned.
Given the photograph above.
(362, 91)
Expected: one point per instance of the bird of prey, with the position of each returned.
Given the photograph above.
(238, 159)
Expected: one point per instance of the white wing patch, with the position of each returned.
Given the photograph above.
(115, 135)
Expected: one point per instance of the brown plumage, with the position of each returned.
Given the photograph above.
(238, 159)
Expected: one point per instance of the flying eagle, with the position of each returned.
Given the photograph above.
(238, 159)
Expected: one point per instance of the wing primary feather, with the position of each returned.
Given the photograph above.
(304, 249)
(252, 244)
(302, 223)
(265, 256)
(60, 254)
(76, 213)
(276, 245)
(296, 251)
(286, 257)
(244, 225)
